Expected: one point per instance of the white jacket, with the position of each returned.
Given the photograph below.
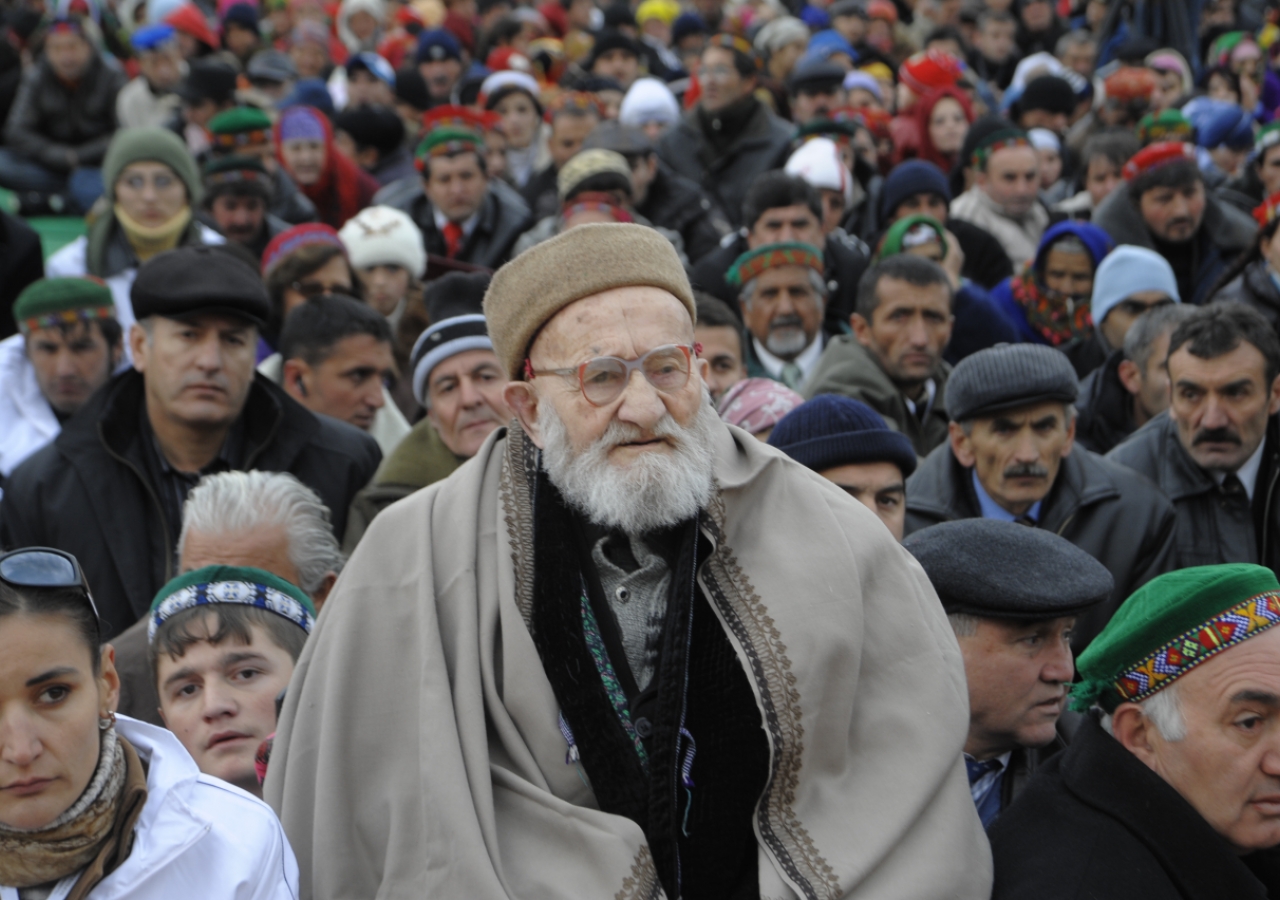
(27, 422)
(197, 836)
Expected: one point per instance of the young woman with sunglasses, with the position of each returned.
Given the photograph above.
(95, 806)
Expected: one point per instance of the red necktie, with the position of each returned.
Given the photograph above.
(452, 239)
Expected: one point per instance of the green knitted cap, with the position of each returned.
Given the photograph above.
(240, 119)
(52, 301)
(749, 265)
(892, 244)
(1169, 626)
(448, 139)
(232, 584)
(1166, 125)
(131, 145)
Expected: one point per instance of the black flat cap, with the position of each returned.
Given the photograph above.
(813, 75)
(194, 280)
(1002, 570)
(1008, 376)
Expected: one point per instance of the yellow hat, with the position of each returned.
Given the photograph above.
(666, 10)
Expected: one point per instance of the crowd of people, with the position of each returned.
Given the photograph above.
(399, 472)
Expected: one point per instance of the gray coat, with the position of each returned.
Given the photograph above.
(1211, 527)
(49, 119)
(847, 368)
(1117, 517)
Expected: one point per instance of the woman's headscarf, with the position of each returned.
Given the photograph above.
(924, 109)
(343, 188)
(1054, 316)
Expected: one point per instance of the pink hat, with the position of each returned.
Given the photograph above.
(756, 404)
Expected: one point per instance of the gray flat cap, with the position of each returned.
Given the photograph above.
(1008, 376)
(612, 135)
(1001, 570)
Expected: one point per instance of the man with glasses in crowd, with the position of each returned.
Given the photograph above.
(617, 665)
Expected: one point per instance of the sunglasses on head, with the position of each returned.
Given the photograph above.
(44, 567)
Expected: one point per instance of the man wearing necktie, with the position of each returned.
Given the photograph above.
(1011, 457)
(1014, 634)
(784, 296)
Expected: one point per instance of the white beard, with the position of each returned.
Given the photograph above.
(656, 490)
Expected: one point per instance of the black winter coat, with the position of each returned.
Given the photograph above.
(1120, 519)
(1255, 287)
(1212, 527)
(762, 145)
(1105, 407)
(846, 259)
(678, 204)
(48, 118)
(87, 493)
(504, 216)
(1096, 824)
(21, 262)
(985, 262)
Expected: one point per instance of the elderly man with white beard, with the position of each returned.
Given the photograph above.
(626, 650)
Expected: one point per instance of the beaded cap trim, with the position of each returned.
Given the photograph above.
(244, 592)
(66, 317)
(1188, 650)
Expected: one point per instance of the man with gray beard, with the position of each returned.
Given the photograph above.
(626, 650)
(783, 298)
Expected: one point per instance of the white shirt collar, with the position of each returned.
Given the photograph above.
(807, 360)
(1247, 473)
(441, 220)
(931, 392)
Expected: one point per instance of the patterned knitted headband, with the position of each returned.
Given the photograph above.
(749, 265)
(999, 140)
(231, 584)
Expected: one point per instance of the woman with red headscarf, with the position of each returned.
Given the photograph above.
(943, 116)
(337, 186)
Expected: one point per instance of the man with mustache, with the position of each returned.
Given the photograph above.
(783, 298)
(237, 202)
(1014, 634)
(1011, 456)
(1165, 207)
(1216, 454)
(110, 488)
(1170, 789)
(586, 659)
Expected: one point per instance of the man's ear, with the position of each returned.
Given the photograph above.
(522, 400)
(1130, 376)
(1131, 727)
(138, 346)
(321, 593)
(1274, 406)
(861, 329)
(1071, 435)
(293, 378)
(961, 445)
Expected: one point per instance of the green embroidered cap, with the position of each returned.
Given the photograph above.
(231, 584)
(240, 119)
(448, 139)
(749, 265)
(909, 232)
(56, 301)
(1166, 125)
(1171, 625)
(997, 140)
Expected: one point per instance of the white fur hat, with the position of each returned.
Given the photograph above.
(818, 162)
(380, 235)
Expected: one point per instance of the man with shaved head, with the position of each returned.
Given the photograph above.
(610, 673)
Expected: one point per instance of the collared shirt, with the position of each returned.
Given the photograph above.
(985, 781)
(1247, 473)
(172, 485)
(993, 510)
(807, 360)
(931, 394)
(442, 220)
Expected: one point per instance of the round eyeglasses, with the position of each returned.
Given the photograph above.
(603, 379)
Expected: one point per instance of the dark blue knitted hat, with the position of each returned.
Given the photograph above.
(915, 176)
(831, 430)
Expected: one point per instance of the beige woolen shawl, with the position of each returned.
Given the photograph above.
(418, 753)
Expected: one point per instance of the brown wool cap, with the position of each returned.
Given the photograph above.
(587, 260)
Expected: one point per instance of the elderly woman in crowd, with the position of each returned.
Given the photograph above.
(152, 185)
(95, 805)
(1048, 301)
(337, 186)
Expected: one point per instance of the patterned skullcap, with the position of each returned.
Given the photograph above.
(241, 120)
(749, 265)
(1267, 138)
(231, 584)
(1153, 157)
(755, 404)
(1130, 83)
(288, 242)
(996, 141)
(54, 301)
(1169, 626)
(1166, 125)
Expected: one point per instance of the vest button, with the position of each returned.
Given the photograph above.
(644, 727)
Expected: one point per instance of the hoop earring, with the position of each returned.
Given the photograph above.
(105, 722)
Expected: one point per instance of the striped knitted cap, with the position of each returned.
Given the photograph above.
(749, 265)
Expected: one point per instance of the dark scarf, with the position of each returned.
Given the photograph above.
(694, 801)
(1051, 314)
(93, 837)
